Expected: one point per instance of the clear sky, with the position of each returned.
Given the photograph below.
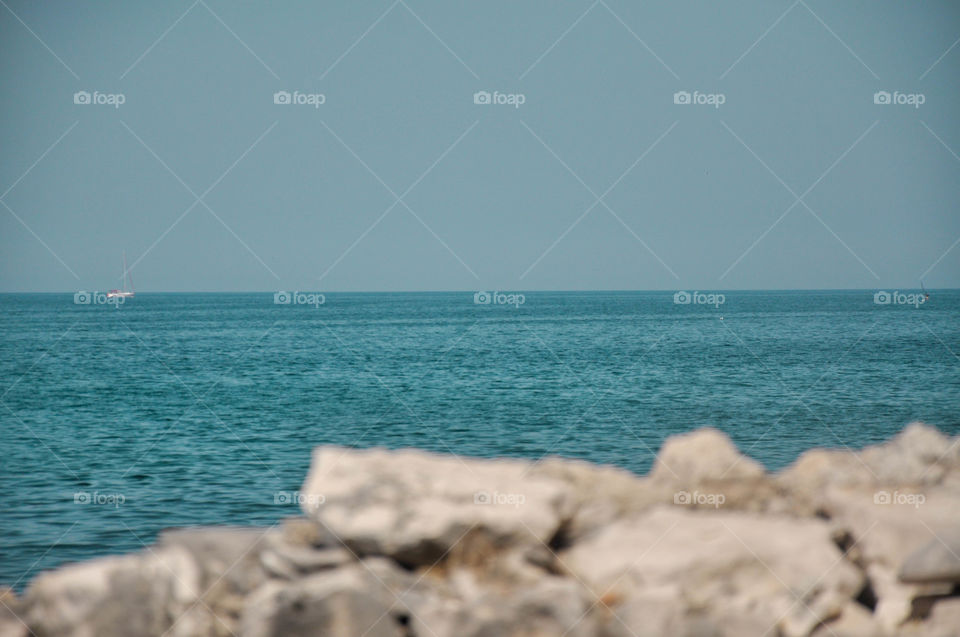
(787, 175)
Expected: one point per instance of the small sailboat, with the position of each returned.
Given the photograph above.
(123, 293)
(926, 295)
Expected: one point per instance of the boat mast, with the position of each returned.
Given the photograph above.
(126, 273)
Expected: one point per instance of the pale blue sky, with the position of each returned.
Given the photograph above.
(492, 196)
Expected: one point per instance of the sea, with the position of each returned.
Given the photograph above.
(119, 420)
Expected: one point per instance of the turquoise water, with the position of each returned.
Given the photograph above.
(186, 409)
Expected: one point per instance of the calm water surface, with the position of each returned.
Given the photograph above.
(187, 409)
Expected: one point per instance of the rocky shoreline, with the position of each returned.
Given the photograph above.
(411, 544)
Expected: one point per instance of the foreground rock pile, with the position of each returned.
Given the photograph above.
(406, 543)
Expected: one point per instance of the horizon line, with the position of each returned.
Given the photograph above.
(506, 290)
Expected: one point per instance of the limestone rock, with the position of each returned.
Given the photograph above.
(346, 601)
(290, 561)
(11, 625)
(918, 455)
(885, 528)
(705, 454)
(465, 607)
(414, 506)
(944, 619)
(227, 556)
(600, 494)
(854, 621)
(936, 561)
(767, 570)
(143, 594)
(817, 470)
